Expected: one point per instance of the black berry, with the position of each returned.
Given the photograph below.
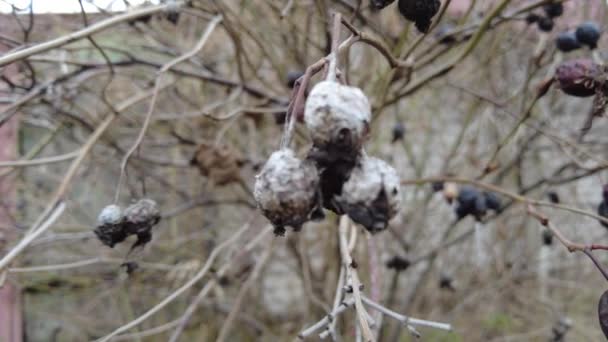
(380, 4)
(545, 24)
(553, 197)
(588, 33)
(547, 238)
(420, 12)
(398, 131)
(602, 209)
(398, 263)
(292, 77)
(554, 9)
(532, 18)
(567, 41)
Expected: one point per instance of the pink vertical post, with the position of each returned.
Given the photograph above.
(11, 318)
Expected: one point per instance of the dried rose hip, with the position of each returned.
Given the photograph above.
(579, 77)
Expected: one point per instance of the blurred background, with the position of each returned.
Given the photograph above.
(216, 116)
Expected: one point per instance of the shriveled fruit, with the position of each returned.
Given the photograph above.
(420, 12)
(371, 196)
(579, 77)
(286, 190)
(338, 116)
(567, 41)
(137, 219)
(588, 33)
(545, 24)
(554, 9)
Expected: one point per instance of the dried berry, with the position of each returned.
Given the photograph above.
(286, 190)
(334, 167)
(111, 214)
(137, 219)
(547, 237)
(470, 202)
(545, 24)
(554, 9)
(446, 282)
(219, 162)
(398, 263)
(338, 116)
(371, 195)
(172, 17)
(532, 18)
(292, 77)
(602, 209)
(420, 12)
(492, 201)
(566, 42)
(398, 132)
(579, 77)
(380, 4)
(553, 197)
(588, 33)
(437, 186)
(602, 312)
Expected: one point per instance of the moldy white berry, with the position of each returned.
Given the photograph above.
(111, 214)
(286, 190)
(371, 195)
(337, 115)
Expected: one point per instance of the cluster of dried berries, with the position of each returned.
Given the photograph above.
(469, 200)
(587, 33)
(336, 174)
(545, 20)
(419, 12)
(114, 225)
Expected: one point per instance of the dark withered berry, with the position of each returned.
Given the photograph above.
(398, 263)
(492, 201)
(567, 41)
(371, 195)
(578, 77)
(545, 24)
(560, 329)
(471, 201)
(547, 237)
(380, 4)
(602, 209)
(398, 132)
(554, 9)
(173, 17)
(553, 197)
(292, 77)
(588, 33)
(602, 312)
(532, 18)
(286, 190)
(437, 186)
(420, 12)
(446, 282)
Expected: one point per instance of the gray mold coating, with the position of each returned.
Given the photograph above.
(337, 114)
(286, 189)
(371, 196)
